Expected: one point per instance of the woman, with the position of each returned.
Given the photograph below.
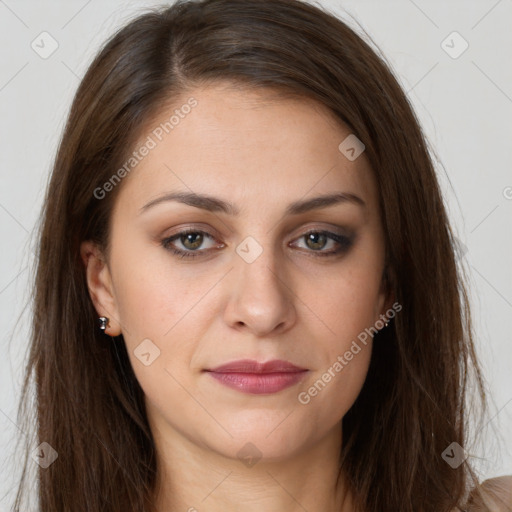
(246, 291)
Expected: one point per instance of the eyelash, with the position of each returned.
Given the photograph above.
(344, 242)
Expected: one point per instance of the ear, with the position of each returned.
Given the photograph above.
(99, 283)
(386, 294)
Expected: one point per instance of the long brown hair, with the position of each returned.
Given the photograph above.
(89, 404)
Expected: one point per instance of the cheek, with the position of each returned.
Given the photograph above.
(150, 294)
(347, 302)
(336, 389)
(342, 358)
(348, 312)
(146, 307)
(159, 312)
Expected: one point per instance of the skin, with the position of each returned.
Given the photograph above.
(260, 153)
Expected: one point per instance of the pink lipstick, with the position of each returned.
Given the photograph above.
(249, 376)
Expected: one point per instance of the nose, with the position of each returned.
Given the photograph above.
(261, 300)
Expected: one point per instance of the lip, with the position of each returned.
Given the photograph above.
(251, 366)
(252, 377)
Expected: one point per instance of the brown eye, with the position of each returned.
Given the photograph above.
(192, 240)
(317, 241)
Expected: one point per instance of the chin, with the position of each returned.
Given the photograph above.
(260, 442)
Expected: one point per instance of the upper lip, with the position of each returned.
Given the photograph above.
(251, 366)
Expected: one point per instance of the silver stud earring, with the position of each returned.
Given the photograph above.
(103, 321)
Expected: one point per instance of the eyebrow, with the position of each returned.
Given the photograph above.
(214, 204)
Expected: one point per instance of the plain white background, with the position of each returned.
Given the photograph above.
(462, 98)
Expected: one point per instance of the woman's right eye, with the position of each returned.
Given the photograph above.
(191, 240)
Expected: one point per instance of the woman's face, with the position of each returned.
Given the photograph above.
(251, 285)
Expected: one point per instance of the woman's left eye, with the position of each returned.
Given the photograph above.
(314, 239)
(192, 240)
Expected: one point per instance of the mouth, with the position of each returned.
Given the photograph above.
(252, 377)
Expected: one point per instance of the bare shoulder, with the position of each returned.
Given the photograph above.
(495, 495)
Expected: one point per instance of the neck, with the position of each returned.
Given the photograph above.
(194, 479)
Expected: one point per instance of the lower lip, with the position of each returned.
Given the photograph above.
(258, 383)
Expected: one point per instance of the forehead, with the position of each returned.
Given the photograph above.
(248, 146)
